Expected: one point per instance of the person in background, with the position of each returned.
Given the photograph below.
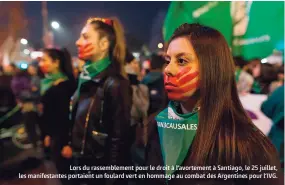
(21, 85)
(8, 103)
(273, 108)
(56, 89)
(101, 106)
(140, 101)
(254, 69)
(154, 81)
(10, 69)
(77, 67)
(145, 68)
(132, 68)
(243, 79)
(268, 75)
(35, 79)
(280, 79)
(29, 105)
(205, 123)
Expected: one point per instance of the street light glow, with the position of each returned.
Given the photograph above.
(26, 51)
(160, 45)
(24, 41)
(24, 66)
(264, 60)
(55, 25)
(36, 54)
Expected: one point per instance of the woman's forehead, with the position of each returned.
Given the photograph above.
(86, 29)
(180, 45)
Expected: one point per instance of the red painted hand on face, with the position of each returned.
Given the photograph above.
(85, 51)
(180, 86)
(44, 68)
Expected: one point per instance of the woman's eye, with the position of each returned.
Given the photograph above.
(85, 37)
(167, 61)
(181, 61)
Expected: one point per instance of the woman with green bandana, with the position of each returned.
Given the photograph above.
(56, 89)
(101, 106)
(204, 135)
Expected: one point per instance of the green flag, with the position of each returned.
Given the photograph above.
(212, 14)
(260, 30)
(252, 29)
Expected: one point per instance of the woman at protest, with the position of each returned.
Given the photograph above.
(101, 105)
(56, 89)
(205, 125)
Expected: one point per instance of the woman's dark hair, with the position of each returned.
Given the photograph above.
(65, 61)
(268, 73)
(239, 61)
(280, 69)
(113, 30)
(226, 134)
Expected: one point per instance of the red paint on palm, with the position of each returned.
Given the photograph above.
(85, 51)
(177, 86)
(188, 77)
(44, 68)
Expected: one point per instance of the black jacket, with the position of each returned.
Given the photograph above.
(55, 118)
(154, 158)
(107, 132)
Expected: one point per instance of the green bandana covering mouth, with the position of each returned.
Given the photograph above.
(49, 81)
(92, 69)
(176, 134)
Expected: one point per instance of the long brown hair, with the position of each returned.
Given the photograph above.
(225, 135)
(113, 30)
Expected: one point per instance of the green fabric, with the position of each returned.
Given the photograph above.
(10, 114)
(256, 87)
(176, 133)
(273, 108)
(212, 14)
(49, 81)
(263, 32)
(92, 69)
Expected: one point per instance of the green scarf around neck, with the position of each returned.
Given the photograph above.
(49, 81)
(90, 70)
(176, 134)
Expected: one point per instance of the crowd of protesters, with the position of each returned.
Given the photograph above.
(105, 110)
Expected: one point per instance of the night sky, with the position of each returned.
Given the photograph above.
(136, 18)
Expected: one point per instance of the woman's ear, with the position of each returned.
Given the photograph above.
(57, 63)
(104, 44)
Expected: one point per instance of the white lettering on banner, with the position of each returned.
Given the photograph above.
(204, 9)
(177, 126)
(249, 41)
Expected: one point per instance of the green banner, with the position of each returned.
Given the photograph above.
(252, 29)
